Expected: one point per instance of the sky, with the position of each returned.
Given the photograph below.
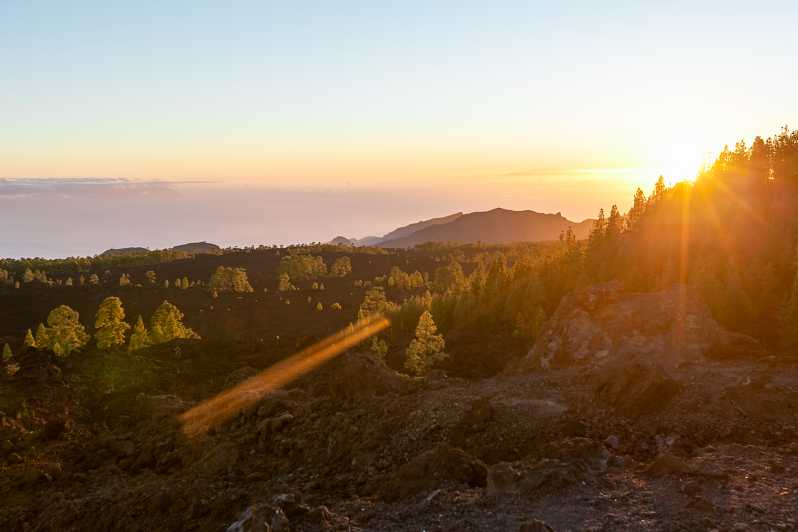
(452, 105)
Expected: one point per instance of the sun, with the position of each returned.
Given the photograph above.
(677, 160)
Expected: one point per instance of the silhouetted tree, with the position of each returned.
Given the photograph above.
(637, 210)
(659, 190)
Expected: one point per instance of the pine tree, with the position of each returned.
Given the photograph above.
(449, 277)
(659, 191)
(7, 353)
(29, 340)
(42, 338)
(139, 338)
(110, 323)
(228, 279)
(124, 280)
(375, 303)
(65, 333)
(166, 324)
(595, 243)
(379, 347)
(185, 283)
(426, 348)
(637, 210)
(596, 238)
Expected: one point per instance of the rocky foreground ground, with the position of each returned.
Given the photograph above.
(677, 432)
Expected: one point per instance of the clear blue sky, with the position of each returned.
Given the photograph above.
(423, 108)
(319, 92)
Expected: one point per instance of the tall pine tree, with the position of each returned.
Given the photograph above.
(110, 323)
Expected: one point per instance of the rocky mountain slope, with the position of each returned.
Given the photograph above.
(608, 440)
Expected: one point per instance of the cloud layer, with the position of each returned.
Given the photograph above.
(78, 217)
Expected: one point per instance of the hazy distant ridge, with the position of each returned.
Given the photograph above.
(491, 227)
(192, 248)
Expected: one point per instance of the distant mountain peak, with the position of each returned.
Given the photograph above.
(192, 248)
(495, 226)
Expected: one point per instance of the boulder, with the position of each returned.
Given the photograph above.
(604, 323)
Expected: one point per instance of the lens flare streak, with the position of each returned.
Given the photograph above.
(227, 404)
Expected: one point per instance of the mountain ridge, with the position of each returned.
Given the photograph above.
(495, 226)
(191, 248)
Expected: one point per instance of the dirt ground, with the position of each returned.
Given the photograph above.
(356, 446)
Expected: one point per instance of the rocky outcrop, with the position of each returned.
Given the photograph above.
(604, 323)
